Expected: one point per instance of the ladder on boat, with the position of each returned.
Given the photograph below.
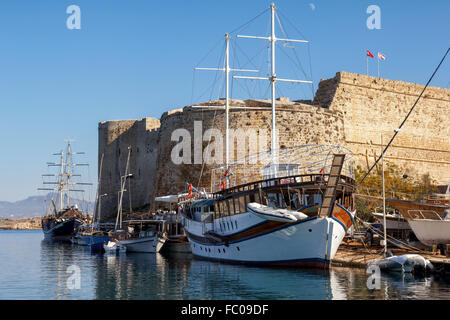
(329, 195)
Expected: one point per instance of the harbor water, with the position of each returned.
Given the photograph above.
(33, 268)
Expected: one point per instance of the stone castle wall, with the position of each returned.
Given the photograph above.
(373, 107)
(114, 139)
(350, 109)
(297, 124)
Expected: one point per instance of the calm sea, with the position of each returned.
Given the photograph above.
(32, 268)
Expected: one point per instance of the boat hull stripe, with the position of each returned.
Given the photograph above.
(252, 232)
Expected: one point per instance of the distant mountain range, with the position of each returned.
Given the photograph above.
(35, 206)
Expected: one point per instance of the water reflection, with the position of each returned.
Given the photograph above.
(147, 276)
(35, 269)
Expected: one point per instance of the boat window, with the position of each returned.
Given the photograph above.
(242, 204)
(221, 211)
(236, 205)
(272, 200)
(257, 197)
(287, 200)
(305, 199)
(225, 207)
(247, 200)
(216, 209)
(318, 198)
(211, 208)
(235, 222)
(234, 210)
(229, 206)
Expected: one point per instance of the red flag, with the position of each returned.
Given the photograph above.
(190, 191)
(369, 54)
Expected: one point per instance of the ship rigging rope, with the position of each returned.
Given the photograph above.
(406, 118)
(308, 46)
(241, 28)
(397, 241)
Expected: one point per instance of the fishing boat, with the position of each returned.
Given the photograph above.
(142, 236)
(176, 240)
(430, 222)
(394, 221)
(61, 222)
(135, 235)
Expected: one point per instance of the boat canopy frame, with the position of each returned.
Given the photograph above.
(281, 163)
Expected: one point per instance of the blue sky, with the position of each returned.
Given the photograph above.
(133, 59)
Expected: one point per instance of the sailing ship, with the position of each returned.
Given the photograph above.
(282, 207)
(61, 222)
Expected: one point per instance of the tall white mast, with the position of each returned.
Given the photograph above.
(384, 198)
(227, 71)
(123, 180)
(273, 76)
(61, 181)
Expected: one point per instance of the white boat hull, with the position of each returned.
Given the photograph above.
(146, 245)
(309, 242)
(393, 222)
(431, 232)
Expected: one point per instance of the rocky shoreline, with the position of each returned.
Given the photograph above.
(33, 223)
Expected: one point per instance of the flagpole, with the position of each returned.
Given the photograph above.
(367, 64)
(378, 59)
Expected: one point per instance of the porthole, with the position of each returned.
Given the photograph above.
(309, 230)
(223, 250)
(218, 250)
(238, 249)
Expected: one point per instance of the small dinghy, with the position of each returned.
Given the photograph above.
(275, 214)
(406, 263)
(114, 247)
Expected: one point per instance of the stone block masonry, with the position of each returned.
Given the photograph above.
(349, 109)
(374, 107)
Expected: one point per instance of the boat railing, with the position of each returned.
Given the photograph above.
(300, 160)
(424, 214)
(320, 179)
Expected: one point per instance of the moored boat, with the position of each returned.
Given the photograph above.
(430, 222)
(142, 236)
(62, 222)
(244, 223)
